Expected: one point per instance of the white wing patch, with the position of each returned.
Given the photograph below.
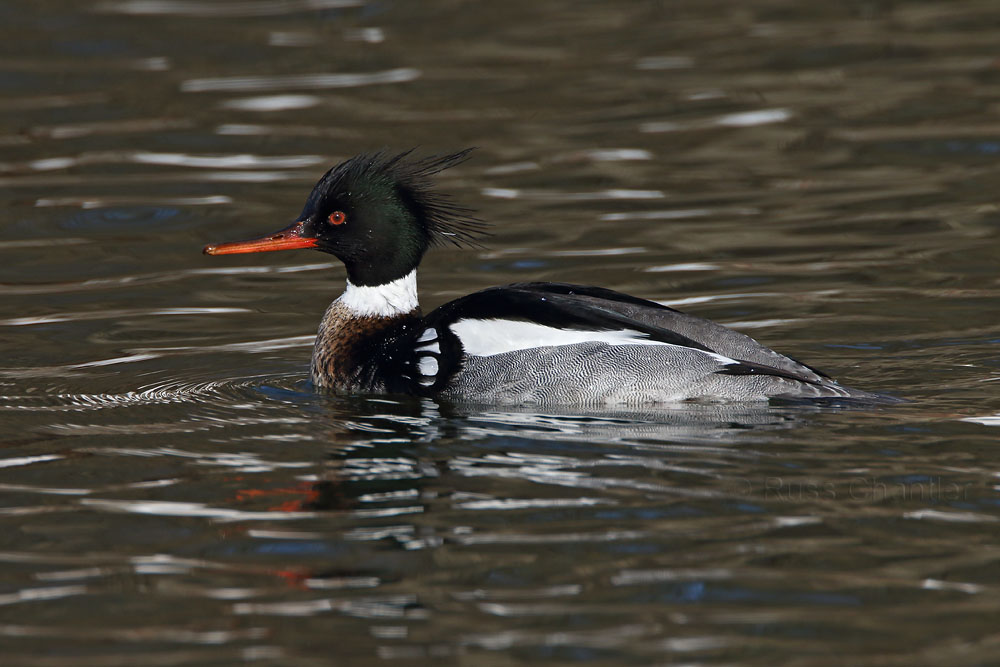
(428, 366)
(428, 345)
(484, 338)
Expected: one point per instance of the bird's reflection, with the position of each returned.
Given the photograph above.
(405, 475)
(392, 451)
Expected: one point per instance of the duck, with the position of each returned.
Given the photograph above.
(530, 343)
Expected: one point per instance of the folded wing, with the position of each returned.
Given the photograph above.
(554, 342)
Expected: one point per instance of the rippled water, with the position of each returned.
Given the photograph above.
(823, 177)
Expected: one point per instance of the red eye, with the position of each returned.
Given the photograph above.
(337, 218)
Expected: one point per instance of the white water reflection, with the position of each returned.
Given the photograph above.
(550, 195)
(230, 161)
(232, 9)
(299, 81)
(28, 460)
(89, 203)
(174, 508)
(116, 314)
(268, 103)
(665, 62)
(679, 214)
(37, 594)
(737, 120)
(239, 161)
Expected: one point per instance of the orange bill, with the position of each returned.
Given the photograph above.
(290, 238)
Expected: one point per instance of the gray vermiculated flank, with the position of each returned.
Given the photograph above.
(599, 373)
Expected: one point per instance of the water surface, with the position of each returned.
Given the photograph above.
(823, 178)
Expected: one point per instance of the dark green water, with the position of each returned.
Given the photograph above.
(824, 177)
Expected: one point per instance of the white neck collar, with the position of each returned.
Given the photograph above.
(393, 298)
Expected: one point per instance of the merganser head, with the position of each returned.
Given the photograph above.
(377, 214)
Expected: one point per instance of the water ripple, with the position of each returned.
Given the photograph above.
(223, 161)
(388, 606)
(205, 393)
(114, 314)
(129, 280)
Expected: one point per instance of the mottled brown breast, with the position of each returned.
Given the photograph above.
(363, 354)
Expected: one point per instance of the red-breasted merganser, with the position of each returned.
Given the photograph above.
(526, 343)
